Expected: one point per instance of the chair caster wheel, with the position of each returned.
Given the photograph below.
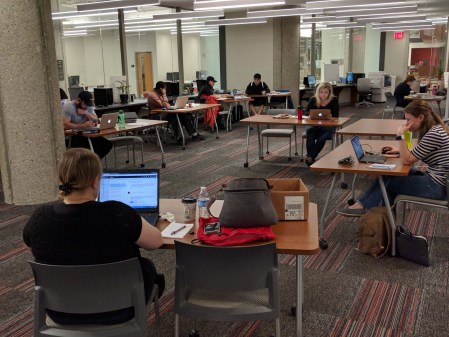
(289, 158)
(323, 244)
(351, 202)
(296, 154)
(142, 165)
(245, 165)
(344, 185)
(163, 165)
(267, 152)
(260, 158)
(183, 147)
(217, 137)
(127, 161)
(194, 333)
(293, 310)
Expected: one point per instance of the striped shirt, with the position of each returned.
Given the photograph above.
(433, 149)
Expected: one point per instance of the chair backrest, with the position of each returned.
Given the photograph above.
(281, 111)
(83, 289)
(363, 84)
(226, 268)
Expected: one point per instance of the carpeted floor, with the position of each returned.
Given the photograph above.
(346, 293)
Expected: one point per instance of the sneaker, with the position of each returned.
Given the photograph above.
(351, 211)
(309, 160)
(198, 137)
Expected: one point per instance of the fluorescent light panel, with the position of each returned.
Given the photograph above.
(401, 27)
(116, 4)
(345, 25)
(406, 28)
(282, 12)
(326, 4)
(398, 23)
(76, 14)
(240, 21)
(323, 19)
(189, 15)
(222, 4)
(374, 12)
(392, 18)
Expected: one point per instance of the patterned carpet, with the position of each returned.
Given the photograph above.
(346, 293)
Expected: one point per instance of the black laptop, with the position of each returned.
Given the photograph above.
(138, 189)
(366, 158)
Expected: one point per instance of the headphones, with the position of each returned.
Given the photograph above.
(346, 161)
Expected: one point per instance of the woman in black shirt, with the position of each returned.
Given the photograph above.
(317, 135)
(403, 89)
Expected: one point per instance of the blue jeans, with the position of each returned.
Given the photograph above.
(416, 184)
(316, 139)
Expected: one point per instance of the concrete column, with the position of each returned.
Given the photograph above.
(180, 53)
(31, 132)
(286, 55)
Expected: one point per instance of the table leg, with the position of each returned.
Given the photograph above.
(216, 125)
(389, 214)
(182, 133)
(258, 141)
(286, 102)
(323, 243)
(160, 146)
(299, 295)
(439, 106)
(90, 144)
(246, 164)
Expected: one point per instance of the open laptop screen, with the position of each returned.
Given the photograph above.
(139, 189)
(357, 147)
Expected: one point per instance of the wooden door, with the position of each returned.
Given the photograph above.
(144, 69)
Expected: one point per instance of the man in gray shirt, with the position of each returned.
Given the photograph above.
(80, 114)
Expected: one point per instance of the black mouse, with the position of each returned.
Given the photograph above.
(385, 149)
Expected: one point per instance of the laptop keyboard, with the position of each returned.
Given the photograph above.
(151, 217)
(374, 158)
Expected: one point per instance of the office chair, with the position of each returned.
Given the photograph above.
(84, 289)
(364, 91)
(390, 105)
(304, 137)
(279, 133)
(74, 92)
(404, 199)
(226, 283)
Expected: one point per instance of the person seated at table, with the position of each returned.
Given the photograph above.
(80, 114)
(403, 89)
(317, 135)
(81, 231)
(432, 149)
(257, 87)
(158, 100)
(207, 96)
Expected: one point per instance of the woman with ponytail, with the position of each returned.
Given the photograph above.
(432, 149)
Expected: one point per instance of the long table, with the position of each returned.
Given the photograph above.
(273, 94)
(329, 163)
(427, 97)
(130, 106)
(293, 121)
(141, 124)
(195, 108)
(372, 127)
(292, 237)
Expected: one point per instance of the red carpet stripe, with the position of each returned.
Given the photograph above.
(387, 305)
(331, 259)
(15, 219)
(350, 328)
(22, 248)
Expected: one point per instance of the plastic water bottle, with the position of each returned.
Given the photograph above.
(121, 119)
(203, 201)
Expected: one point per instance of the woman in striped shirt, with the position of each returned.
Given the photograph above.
(432, 149)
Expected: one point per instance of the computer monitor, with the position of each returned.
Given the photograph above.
(103, 96)
(172, 88)
(74, 81)
(312, 80)
(173, 76)
(356, 76)
(349, 77)
(201, 74)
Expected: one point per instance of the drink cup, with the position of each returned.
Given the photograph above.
(408, 139)
(189, 203)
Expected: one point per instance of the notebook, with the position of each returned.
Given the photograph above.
(108, 121)
(320, 114)
(180, 103)
(365, 158)
(138, 189)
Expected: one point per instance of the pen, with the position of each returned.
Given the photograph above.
(178, 230)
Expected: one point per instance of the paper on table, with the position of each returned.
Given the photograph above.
(176, 230)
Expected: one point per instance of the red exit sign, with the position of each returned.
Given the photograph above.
(398, 35)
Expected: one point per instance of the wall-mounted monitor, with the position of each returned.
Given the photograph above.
(201, 74)
(74, 81)
(173, 76)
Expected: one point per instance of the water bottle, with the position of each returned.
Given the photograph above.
(300, 112)
(203, 201)
(121, 119)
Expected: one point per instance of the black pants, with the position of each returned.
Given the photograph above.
(101, 145)
(186, 121)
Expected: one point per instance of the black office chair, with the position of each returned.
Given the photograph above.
(390, 105)
(364, 91)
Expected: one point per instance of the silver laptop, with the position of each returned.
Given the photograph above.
(365, 158)
(108, 121)
(320, 114)
(138, 189)
(180, 103)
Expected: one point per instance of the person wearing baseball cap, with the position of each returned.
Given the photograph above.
(207, 95)
(80, 114)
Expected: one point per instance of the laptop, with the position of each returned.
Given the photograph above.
(108, 121)
(180, 103)
(320, 114)
(365, 158)
(138, 189)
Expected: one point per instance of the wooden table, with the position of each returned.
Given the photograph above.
(427, 97)
(372, 127)
(141, 124)
(130, 106)
(329, 163)
(292, 237)
(274, 94)
(195, 108)
(293, 120)
(234, 102)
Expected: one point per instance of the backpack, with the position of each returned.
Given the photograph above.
(374, 232)
(237, 114)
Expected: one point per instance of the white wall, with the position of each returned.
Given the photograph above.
(396, 56)
(249, 50)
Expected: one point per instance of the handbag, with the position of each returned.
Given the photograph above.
(232, 236)
(412, 247)
(247, 203)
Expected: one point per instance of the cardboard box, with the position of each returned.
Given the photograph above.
(290, 198)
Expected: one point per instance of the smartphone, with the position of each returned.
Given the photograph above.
(212, 227)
